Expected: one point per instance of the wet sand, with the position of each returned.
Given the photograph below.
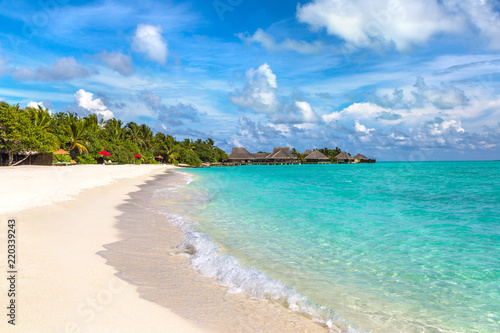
(147, 257)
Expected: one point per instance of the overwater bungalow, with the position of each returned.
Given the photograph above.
(358, 158)
(307, 152)
(281, 154)
(260, 157)
(240, 155)
(343, 157)
(316, 157)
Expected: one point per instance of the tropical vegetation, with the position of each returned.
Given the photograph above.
(35, 130)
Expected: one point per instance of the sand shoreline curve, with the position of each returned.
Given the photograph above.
(64, 216)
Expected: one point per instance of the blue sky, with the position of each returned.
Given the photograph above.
(392, 79)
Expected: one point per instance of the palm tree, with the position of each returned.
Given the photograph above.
(146, 136)
(188, 144)
(114, 129)
(76, 132)
(92, 123)
(210, 143)
(132, 133)
(172, 156)
(40, 117)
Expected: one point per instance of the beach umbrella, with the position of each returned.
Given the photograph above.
(159, 157)
(104, 153)
(137, 156)
(60, 152)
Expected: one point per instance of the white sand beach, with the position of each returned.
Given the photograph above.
(69, 219)
(63, 217)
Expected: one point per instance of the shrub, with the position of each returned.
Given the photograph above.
(86, 159)
(61, 158)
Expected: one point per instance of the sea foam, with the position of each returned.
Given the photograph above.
(207, 259)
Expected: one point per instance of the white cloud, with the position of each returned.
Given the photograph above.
(63, 69)
(35, 105)
(355, 110)
(270, 44)
(149, 40)
(309, 115)
(367, 23)
(259, 93)
(482, 15)
(280, 128)
(360, 128)
(84, 100)
(441, 126)
(118, 61)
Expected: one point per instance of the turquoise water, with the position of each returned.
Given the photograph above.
(386, 247)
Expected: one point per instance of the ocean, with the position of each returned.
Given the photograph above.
(385, 247)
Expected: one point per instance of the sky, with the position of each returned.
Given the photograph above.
(412, 80)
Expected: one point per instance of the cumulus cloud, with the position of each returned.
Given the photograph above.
(355, 110)
(148, 39)
(300, 112)
(270, 44)
(253, 135)
(35, 105)
(481, 15)
(85, 101)
(366, 23)
(259, 93)
(360, 128)
(63, 69)
(173, 114)
(444, 97)
(117, 61)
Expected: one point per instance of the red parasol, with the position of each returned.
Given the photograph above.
(104, 153)
(137, 156)
(159, 157)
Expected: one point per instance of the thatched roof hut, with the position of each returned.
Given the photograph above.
(343, 157)
(317, 156)
(281, 153)
(260, 156)
(360, 157)
(240, 154)
(307, 152)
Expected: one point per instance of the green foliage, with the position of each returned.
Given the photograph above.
(61, 158)
(300, 156)
(119, 154)
(18, 134)
(86, 159)
(36, 129)
(330, 153)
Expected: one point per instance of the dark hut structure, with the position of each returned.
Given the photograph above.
(358, 158)
(260, 157)
(307, 152)
(240, 155)
(281, 154)
(34, 158)
(343, 157)
(317, 156)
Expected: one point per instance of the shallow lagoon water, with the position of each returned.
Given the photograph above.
(387, 247)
